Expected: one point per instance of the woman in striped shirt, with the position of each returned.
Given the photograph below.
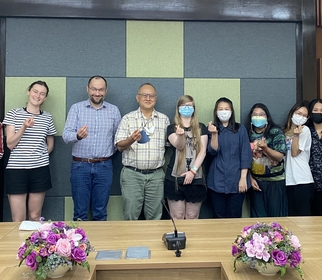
(30, 137)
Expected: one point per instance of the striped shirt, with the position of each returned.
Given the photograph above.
(31, 151)
(102, 124)
(149, 155)
(1, 142)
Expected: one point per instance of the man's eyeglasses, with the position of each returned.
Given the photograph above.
(146, 95)
(101, 90)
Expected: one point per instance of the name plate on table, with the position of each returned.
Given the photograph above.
(109, 255)
(138, 252)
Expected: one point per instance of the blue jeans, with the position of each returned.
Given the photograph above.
(91, 182)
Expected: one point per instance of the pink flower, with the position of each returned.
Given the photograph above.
(63, 247)
(51, 249)
(45, 227)
(295, 242)
(82, 246)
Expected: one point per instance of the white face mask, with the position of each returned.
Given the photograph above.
(298, 119)
(224, 115)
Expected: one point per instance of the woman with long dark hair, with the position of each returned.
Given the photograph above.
(268, 197)
(315, 124)
(299, 180)
(228, 178)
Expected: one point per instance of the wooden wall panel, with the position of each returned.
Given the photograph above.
(319, 79)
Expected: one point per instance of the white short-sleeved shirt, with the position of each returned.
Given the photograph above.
(297, 169)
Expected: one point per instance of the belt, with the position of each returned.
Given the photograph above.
(91, 160)
(143, 171)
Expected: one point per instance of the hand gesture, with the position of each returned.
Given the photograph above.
(179, 130)
(82, 132)
(136, 135)
(261, 144)
(298, 130)
(211, 128)
(29, 122)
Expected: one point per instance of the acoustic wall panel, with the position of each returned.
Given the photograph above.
(55, 103)
(206, 92)
(246, 62)
(65, 47)
(154, 49)
(279, 95)
(239, 50)
(122, 92)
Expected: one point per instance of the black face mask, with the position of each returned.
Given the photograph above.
(316, 118)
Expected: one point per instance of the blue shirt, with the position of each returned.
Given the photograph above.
(233, 154)
(102, 124)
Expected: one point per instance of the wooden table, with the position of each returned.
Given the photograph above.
(207, 254)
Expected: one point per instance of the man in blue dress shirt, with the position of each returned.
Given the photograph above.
(90, 127)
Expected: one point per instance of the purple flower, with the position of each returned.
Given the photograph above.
(51, 238)
(234, 250)
(31, 260)
(43, 252)
(34, 236)
(295, 258)
(21, 251)
(81, 232)
(279, 257)
(78, 255)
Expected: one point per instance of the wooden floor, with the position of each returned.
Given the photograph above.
(207, 254)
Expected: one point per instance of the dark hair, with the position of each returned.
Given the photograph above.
(295, 107)
(147, 84)
(270, 122)
(232, 123)
(41, 83)
(311, 106)
(97, 77)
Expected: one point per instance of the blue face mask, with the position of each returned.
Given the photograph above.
(186, 111)
(259, 121)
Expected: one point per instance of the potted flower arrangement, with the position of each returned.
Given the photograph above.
(54, 245)
(262, 245)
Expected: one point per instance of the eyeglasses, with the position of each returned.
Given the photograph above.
(101, 90)
(185, 105)
(258, 115)
(146, 95)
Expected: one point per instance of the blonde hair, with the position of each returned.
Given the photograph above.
(194, 128)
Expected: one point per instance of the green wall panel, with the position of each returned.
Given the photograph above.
(206, 92)
(114, 208)
(55, 104)
(154, 49)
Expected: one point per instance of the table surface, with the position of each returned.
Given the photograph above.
(208, 245)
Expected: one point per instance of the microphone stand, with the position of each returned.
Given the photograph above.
(175, 240)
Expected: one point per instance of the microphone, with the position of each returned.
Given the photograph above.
(174, 240)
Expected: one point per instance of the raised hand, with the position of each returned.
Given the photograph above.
(179, 130)
(212, 128)
(136, 135)
(29, 122)
(82, 132)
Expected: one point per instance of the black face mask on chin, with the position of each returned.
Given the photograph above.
(316, 118)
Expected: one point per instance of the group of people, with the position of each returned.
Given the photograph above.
(281, 169)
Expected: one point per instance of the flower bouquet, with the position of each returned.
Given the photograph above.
(264, 244)
(55, 244)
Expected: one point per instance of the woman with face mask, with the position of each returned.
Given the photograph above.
(268, 195)
(228, 178)
(184, 186)
(315, 124)
(298, 177)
